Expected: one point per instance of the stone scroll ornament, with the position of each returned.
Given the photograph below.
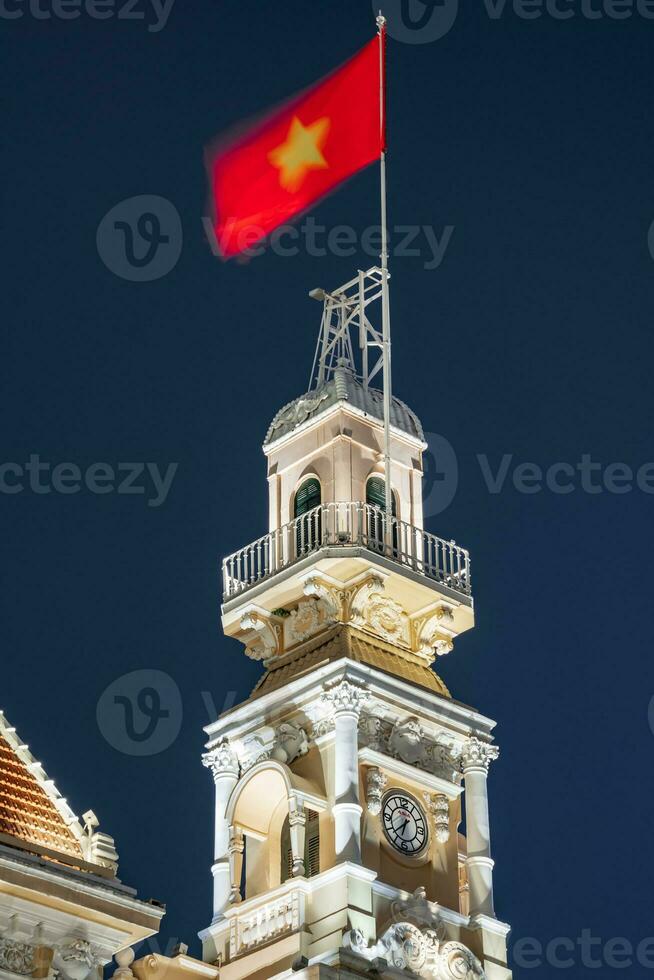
(417, 941)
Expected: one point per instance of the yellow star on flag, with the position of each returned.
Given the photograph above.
(301, 152)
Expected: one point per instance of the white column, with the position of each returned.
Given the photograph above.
(224, 765)
(476, 758)
(236, 848)
(297, 819)
(346, 701)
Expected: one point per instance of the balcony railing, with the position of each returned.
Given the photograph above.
(347, 525)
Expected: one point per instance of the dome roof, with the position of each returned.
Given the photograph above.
(342, 386)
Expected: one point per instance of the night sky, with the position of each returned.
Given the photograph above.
(530, 339)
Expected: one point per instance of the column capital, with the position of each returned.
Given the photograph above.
(476, 756)
(345, 698)
(222, 760)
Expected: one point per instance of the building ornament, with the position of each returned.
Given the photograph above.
(17, 957)
(406, 740)
(375, 783)
(252, 751)
(75, 958)
(221, 759)
(291, 742)
(431, 635)
(438, 806)
(416, 941)
(264, 640)
(298, 411)
(477, 755)
(344, 697)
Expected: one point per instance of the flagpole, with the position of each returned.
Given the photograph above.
(386, 313)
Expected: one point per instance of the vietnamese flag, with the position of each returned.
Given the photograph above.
(298, 153)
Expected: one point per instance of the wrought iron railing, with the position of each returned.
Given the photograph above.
(347, 525)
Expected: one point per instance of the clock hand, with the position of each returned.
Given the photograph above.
(401, 829)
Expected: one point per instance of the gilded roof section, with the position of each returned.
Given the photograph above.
(347, 642)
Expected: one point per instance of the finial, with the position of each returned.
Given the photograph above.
(381, 21)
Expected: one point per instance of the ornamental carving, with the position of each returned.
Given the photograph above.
(438, 806)
(432, 635)
(387, 618)
(476, 754)
(311, 615)
(370, 609)
(298, 411)
(263, 643)
(345, 697)
(291, 742)
(375, 783)
(75, 958)
(16, 957)
(221, 759)
(407, 741)
(416, 941)
(253, 750)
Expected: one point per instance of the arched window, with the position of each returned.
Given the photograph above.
(376, 497)
(311, 848)
(309, 525)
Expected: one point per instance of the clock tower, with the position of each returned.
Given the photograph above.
(351, 811)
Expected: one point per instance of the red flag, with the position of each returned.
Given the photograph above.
(299, 153)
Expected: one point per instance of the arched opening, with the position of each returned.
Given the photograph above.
(311, 848)
(308, 518)
(376, 515)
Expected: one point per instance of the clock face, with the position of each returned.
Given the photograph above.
(404, 823)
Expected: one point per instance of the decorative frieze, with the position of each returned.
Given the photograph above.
(407, 741)
(17, 957)
(376, 781)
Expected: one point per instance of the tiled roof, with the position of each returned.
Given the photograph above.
(31, 808)
(347, 642)
(343, 386)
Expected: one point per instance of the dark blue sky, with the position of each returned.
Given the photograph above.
(533, 337)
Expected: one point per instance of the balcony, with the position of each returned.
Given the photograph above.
(266, 918)
(347, 525)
